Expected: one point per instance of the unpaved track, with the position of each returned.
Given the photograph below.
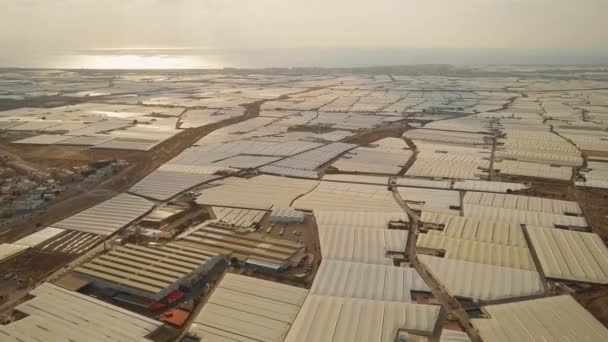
(450, 305)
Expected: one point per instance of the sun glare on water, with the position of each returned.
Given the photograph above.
(135, 62)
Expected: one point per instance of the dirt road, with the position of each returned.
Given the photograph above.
(451, 306)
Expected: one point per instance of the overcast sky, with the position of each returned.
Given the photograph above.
(304, 23)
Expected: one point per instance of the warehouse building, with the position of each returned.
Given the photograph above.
(152, 272)
(252, 248)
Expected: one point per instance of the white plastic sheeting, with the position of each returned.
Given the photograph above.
(39, 237)
(559, 319)
(162, 184)
(431, 199)
(261, 192)
(366, 281)
(332, 319)
(570, 255)
(59, 314)
(108, 217)
(9, 250)
(481, 281)
(520, 202)
(348, 197)
(362, 245)
(327, 220)
(248, 309)
(312, 159)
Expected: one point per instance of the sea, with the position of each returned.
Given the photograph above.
(199, 58)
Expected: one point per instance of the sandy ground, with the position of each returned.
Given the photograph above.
(596, 301)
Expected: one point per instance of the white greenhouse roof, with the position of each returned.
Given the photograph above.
(479, 252)
(58, 314)
(366, 281)
(162, 185)
(488, 186)
(483, 282)
(109, 216)
(361, 244)
(570, 255)
(332, 319)
(9, 250)
(556, 319)
(39, 237)
(467, 228)
(327, 220)
(248, 309)
(520, 202)
(261, 192)
(348, 197)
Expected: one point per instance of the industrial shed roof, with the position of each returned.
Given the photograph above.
(358, 320)
(361, 245)
(147, 269)
(570, 255)
(39, 237)
(481, 281)
(261, 192)
(59, 314)
(478, 230)
(109, 216)
(520, 202)
(349, 219)
(348, 197)
(480, 252)
(248, 309)
(162, 185)
(238, 217)
(248, 245)
(367, 281)
(559, 319)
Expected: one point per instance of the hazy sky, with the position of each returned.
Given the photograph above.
(304, 23)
